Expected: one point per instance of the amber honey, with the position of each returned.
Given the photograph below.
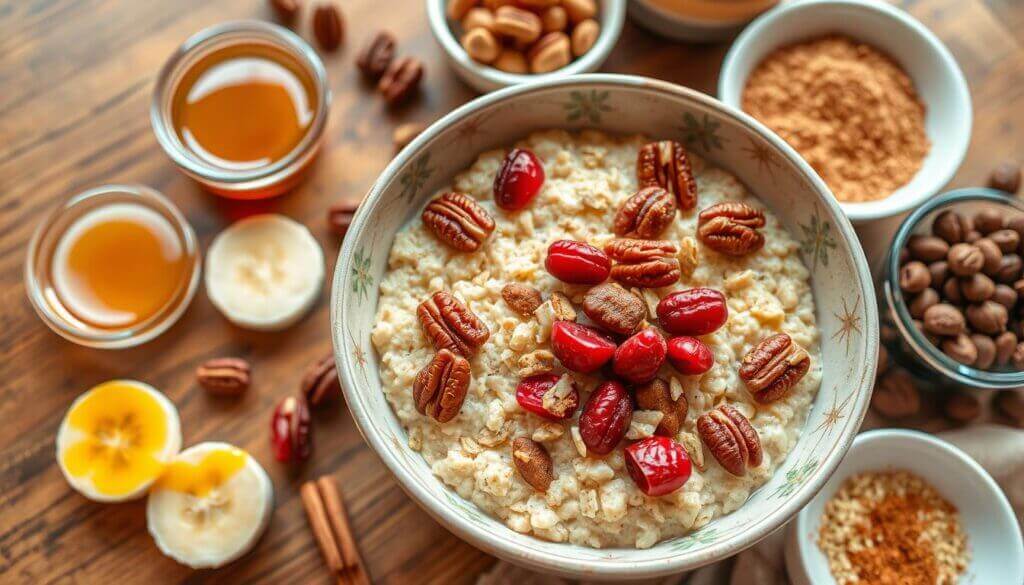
(118, 265)
(244, 106)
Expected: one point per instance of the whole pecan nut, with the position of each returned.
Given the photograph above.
(376, 55)
(533, 463)
(646, 214)
(665, 164)
(286, 10)
(644, 263)
(459, 221)
(774, 366)
(522, 299)
(451, 325)
(401, 80)
(731, 228)
(320, 384)
(614, 308)
(440, 387)
(328, 26)
(224, 376)
(731, 439)
(657, 395)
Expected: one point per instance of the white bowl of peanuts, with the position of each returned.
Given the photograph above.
(497, 43)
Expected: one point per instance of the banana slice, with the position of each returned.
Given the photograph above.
(264, 272)
(116, 439)
(210, 506)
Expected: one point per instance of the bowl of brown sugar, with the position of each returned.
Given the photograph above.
(864, 92)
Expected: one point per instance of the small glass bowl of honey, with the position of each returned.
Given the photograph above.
(113, 267)
(241, 108)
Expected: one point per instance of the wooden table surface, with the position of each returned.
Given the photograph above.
(75, 84)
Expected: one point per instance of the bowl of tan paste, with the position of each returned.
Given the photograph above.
(936, 77)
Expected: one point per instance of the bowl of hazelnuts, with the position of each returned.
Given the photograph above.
(498, 43)
(953, 290)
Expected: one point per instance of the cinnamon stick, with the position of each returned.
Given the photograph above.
(338, 519)
(322, 532)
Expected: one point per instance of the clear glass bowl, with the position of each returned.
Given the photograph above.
(905, 343)
(39, 283)
(265, 181)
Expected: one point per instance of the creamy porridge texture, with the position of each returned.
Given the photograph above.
(591, 500)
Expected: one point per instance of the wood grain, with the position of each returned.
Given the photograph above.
(76, 77)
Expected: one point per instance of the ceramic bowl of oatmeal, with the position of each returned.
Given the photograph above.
(644, 354)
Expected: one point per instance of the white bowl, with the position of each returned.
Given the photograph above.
(935, 73)
(484, 78)
(681, 27)
(841, 283)
(993, 535)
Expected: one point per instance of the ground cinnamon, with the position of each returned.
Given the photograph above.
(848, 109)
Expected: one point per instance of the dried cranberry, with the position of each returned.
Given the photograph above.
(658, 465)
(638, 358)
(690, 355)
(530, 395)
(519, 180)
(291, 430)
(606, 417)
(695, 311)
(577, 262)
(580, 348)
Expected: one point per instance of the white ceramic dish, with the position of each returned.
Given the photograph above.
(680, 27)
(938, 79)
(841, 283)
(484, 78)
(993, 535)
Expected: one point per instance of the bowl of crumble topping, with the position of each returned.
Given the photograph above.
(604, 326)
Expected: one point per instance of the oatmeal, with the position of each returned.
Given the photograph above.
(749, 386)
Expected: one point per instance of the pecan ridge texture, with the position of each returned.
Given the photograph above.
(459, 221)
(665, 164)
(731, 228)
(731, 439)
(451, 325)
(440, 387)
(773, 367)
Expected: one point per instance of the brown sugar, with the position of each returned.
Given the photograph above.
(848, 109)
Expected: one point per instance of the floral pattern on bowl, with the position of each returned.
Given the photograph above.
(624, 105)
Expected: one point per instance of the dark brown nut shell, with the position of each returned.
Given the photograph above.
(986, 348)
(773, 367)
(657, 395)
(950, 226)
(944, 319)
(896, 395)
(328, 26)
(914, 277)
(989, 220)
(376, 55)
(665, 164)
(521, 298)
(1006, 342)
(731, 228)
(224, 376)
(927, 248)
(450, 325)
(993, 255)
(533, 463)
(320, 384)
(440, 388)
(458, 221)
(988, 317)
(977, 288)
(961, 349)
(920, 303)
(731, 439)
(965, 259)
(646, 214)
(401, 80)
(614, 308)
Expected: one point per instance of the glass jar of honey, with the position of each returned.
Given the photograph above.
(241, 108)
(112, 267)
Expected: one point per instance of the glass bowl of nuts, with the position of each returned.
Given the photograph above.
(952, 290)
(494, 44)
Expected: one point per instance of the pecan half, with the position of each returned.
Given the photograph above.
(731, 228)
(440, 387)
(459, 221)
(665, 164)
(774, 366)
(657, 395)
(320, 384)
(522, 299)
(328, 26)
(646, 214)
(644, 263)
(376, 55)
(729, 436)
(614, 308)
(451, 325)
(533, 463)
(401, 80)
(224, 376)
